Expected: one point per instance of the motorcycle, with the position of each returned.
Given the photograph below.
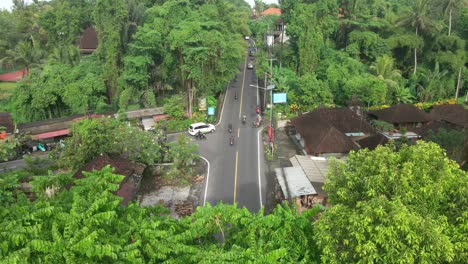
(231, 140)
(200, 136)
(230, 128)
(235, 96)
(244, 119)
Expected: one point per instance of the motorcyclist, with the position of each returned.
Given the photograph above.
(244, 119)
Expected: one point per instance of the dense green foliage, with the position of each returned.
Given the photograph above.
(393, 206)
(388, 206)
(81, 227)
(381, 51)
(144, 51)
(93, 137)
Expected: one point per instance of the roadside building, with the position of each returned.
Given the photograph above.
(330, 131)
(400, 116)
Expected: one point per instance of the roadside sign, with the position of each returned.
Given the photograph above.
(202, 104)
(279, 98)
(271, 87)
(211, 111)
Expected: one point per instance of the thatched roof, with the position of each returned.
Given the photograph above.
(401, 114)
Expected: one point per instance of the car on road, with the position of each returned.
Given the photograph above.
(247, 37)
(252, 52)
(201, 127)
(250, 65)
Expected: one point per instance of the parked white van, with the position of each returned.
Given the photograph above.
(202, 127)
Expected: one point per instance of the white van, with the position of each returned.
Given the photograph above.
(202, 127)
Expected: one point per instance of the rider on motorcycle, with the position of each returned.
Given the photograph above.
(244, 119)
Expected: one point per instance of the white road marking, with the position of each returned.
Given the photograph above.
(222, 108)
(258, 166)
(207, 179)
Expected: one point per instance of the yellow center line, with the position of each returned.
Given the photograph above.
(238, 132)
(235, 178)
(242, 89)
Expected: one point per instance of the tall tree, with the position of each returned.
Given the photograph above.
(386, 200)
(110, 17)
(448, 6)
(384, 69)
(418, 18)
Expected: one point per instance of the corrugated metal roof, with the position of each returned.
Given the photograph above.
(148, 123)
(315, 169)
(294, 182)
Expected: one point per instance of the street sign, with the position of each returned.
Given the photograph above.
(211, 110)
(202, 104)
(271, 87)
(279, 98)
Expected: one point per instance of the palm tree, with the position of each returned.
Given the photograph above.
(25, 54)
(384, 69)
(449, 5)
(419, 19)
(432, 85)
(66, 54)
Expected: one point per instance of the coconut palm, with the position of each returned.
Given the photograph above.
(384, 68)
(448, 6)
(433, 84)
(419, 19)
(25, 54)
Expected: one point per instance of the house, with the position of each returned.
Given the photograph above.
(279, 33)
(401, 116)
(6, 121)
(271, 11)
(373, 141)
(132, 171)
(455, 115)
(346, 121)
(326, 131)
(88, 41)
(434, 126)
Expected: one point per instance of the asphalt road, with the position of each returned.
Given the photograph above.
(235, 175)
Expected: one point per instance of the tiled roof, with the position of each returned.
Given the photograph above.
(345, 120)
(271, 11)
(7, 122)
(453, 113)
(88, 40)
(128, 187)
(400, 114)
(373, 141)
(320, 136)
(433, 126)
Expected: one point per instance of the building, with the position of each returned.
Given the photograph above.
(400, 116)
(132, 171)
(330, 131)
(271, 11)
(88, 41)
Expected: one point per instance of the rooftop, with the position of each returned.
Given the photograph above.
(400, 114)
(294, 182)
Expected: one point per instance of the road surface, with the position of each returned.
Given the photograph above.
(235, 173)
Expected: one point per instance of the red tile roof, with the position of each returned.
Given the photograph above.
(128, 187)
(271, 11)
(13, 76)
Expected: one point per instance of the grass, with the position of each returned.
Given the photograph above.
(6, 89)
